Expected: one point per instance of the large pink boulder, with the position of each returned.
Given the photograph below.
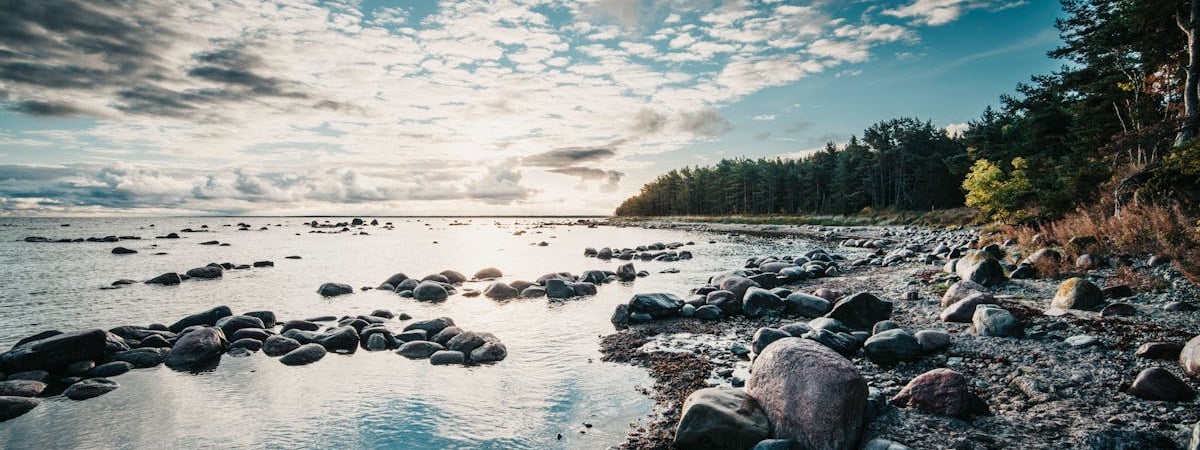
(940, 391)
(810, 393)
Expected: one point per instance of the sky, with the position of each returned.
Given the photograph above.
(424, 107)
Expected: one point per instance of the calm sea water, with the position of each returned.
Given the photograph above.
(552, 382)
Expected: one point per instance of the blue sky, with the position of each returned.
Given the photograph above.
(378, 107)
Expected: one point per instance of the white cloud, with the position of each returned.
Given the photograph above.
(764, 117)
(955, 130)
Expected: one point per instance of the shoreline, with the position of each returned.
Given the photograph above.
(1040, 390)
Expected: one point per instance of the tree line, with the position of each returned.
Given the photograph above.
(1116, 124)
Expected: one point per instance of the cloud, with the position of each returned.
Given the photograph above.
(941, 12)
(500, 184)
(956, 130)
(568, 156)
(648, 121)
(705, 122)
(764, 117)
(609, 179)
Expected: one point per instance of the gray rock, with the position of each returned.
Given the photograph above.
(884, 325)
(806, 305)
(377, 342)
(166, 279)
(419, 349)
(447, 357)
(430, 291)
(453, 276)
(844, 344)
(1159, 350)
(209, 272)
(981, 267)
(500, 290)
(939, 391)
(231, 324)
(250, 344)
(584, 289)
(52, 351)
(415, 335)
(1118, 310)
(1078, 293)
(196, 348)
(90, 388)
(257, 334)
(111, 369)
(932, 340)
(78, 368)
(334, 289)
(961, 290)
(727, 301)
(305, 354)
(490, 351)
(1157, 383)
(992, 320)
(303, 325)
(488, 273)
(467, 341)
(708, 312)
(765, 336)
(860, 311)
(891, 347)
(142, 358)
(759, 302)
(626, 272)
(688, 310)
(796, 329)
(963, 310)
(559, 288)
(655, 305)
(32, 375)
(13, 407)
(206, 318)
(21, 388)
(738, 285)
(342, 339)
(444, 336)
(1082, 341)
(791, 376)
(620, 317)
(533, 292)
(431, 326)
(720, 418)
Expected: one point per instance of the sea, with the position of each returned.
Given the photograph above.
(552, 391)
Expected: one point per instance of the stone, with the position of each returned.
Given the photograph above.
(257, 334)
(21, 388)
(394, 280)
(738, 285)
(1189, 358)
(883, 444)
(230, 325)
(303, 325)
(709, 313)
(305, 354)
(1159, 384)
(626, 272)
(166, 279)
(961, 290)
(500, 290)
(267, 318)
(1118, 310)
(490, 351)
(688, 310)
(891, 347)
(765, 336)
(343, 339)
(196, 348)
(583, 289)
(810, 394)
(963, 310)
(1078, 293)
(90, 388)
(657, 305)
(992, 320)
(78, 368)
(111, 369)
(444, 336)
(488, 273)
(447, 357)
(432, 326)
(419, 349)
(52, 351)
(453, 276)
(142, 358)
(559, 288)
(796, 329)
(377, 342)
(1044, 255)
(32, 375)
(209, 272)
(206, 318)
(939, 391)
(1159, 350)
(123, 251)
(250, 344)
(884, 325)
(533, 292)
(430, 291)
(12, 407)
(759, 302)
(1118, 291)
(980, 267)
(727, 301)
(1082, 341)
(720, 418)
(334, 289)
(932, 340)
(620, 316)
(806, 305)
(860, 311)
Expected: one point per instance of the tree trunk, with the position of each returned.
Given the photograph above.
(1191, 98)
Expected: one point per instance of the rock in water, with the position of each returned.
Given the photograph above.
(111, 369)
(1078, 293)
(166, 279)
(490, 351)
(334, 289)
(500, 290)
(231, 324)
(655, 305)
(21, 388)
(1157, 383)
(142, 358)
(430, 291)
(196, 348)
(860, 311)
(721, 418)
(305, 354)
(980, 267)
(891, 347)
(55, 351)
(206, 318)
(90, 388)
(419, 349)
(810, 393)
(13, 407)
(488, 273)
(447, 357)
(431, 326)
(940, 391)
(626, 272)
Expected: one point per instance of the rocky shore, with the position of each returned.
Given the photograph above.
(957, 341)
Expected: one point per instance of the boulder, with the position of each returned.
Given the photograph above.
(963, 310)
(395, 280)
(257, 334)
(844, 344)
(490, 351)
(559, 288)
(1189, 358)
(267, 318)
(277, 345)
(932, 340)
(419, 349)
(992, 320)
(892, 346)
(939, 391)
(13, 407)
(431, 326)
(533, 292)
(166, 279)
(655, 305)
(447, 357)
(342, 339)
(111, 369)
(1159, 350)
(738, 285)
(453, 276)
(230, 325)
(53, 351)
(980, 267)
(305, 354)
(583, 289)
(1157, 383)
(250, 344)
(810, 394)
(500, 290)
(488, 273)
(196, 348)
(303, 325)
(708, 312)
(123, 251)
(1078, 293)
(759, 302)
(206, 318)
(142, 358)
(721, 418)
(21, 388)
(806, 305)
(430, 291)
(209, 272)
(765, 336)
(444, 336)
(468, 340)
(376, 342)
(961, 290)
(334, 289)
(90, 388)
(626, 272)
(727, 301)
(860, 311)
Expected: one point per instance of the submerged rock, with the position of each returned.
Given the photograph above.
(305, 354)
(720, 418)
(196, 348)
(13, 407)
(334, 289)
(90, 388)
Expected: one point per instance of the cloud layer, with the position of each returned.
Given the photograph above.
(305, 105)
